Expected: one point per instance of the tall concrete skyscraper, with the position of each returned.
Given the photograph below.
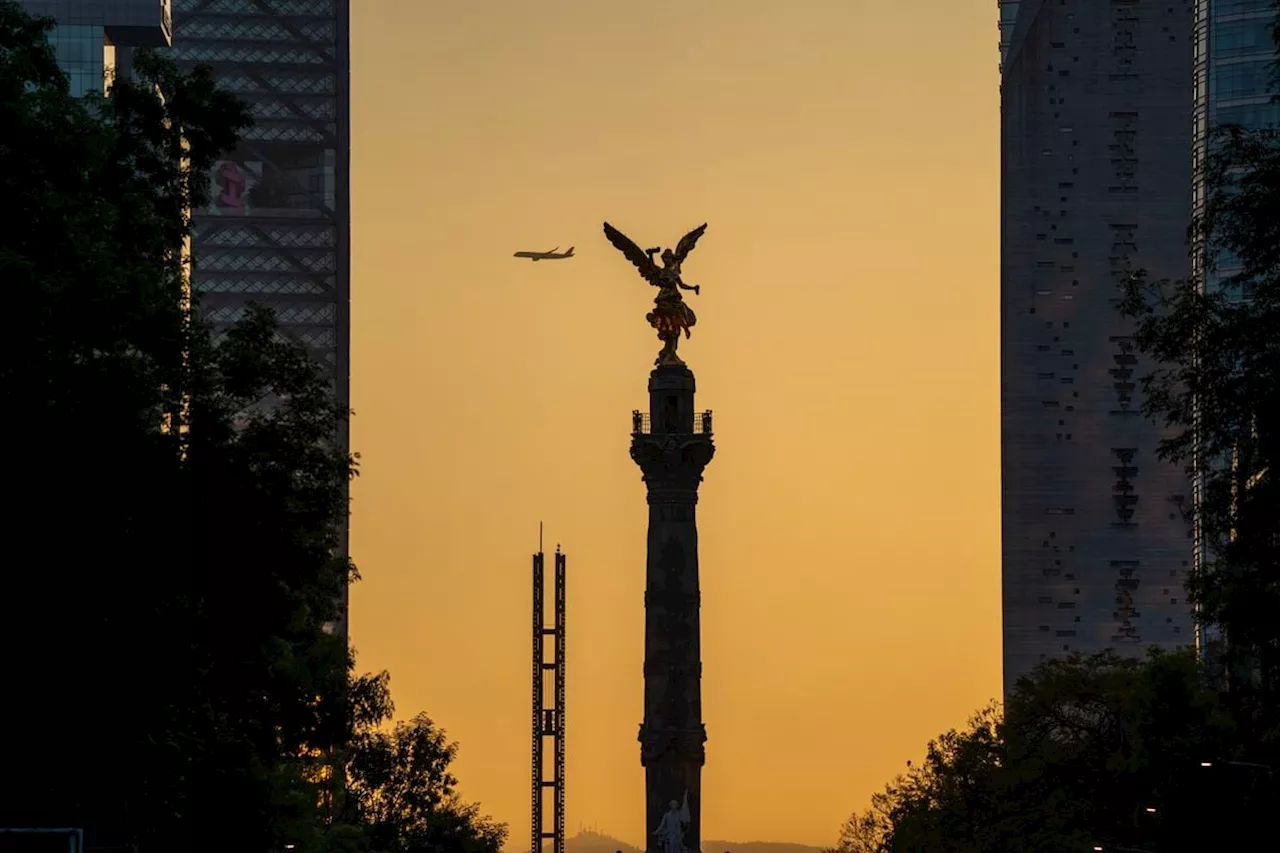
(1096, 181)
(277, 231)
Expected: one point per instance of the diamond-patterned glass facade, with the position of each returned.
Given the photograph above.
(277, 230)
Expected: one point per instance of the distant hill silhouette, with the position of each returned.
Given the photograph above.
(595, 842)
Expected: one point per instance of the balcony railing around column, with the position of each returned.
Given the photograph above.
(642, 425)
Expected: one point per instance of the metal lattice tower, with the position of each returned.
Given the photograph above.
(548, 722)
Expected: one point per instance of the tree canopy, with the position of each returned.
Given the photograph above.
(1178, 751)
(1215, 384)
(175, 568)
(1112, 753)
(400, 788)
(1089, 751)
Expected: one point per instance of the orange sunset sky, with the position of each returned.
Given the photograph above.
(845, 154)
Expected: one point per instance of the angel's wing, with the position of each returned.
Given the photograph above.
(688, 241)
(623, 244)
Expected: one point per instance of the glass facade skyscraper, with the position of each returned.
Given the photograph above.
(1235, 57)
(277, 230)
(1096, 182)
(1240, 59)
(1234, 84)
(85, 53)
(94, 39)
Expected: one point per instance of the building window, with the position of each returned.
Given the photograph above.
(81, 53)
(1236, 38)
(1242, 80)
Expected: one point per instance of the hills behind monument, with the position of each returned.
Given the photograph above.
(595, 842)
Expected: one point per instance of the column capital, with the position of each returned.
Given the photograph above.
(673, 462)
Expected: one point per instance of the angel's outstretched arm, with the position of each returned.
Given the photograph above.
(692, 287)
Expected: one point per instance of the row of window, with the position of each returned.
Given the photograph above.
(81, 53)
(1242, 80)
(1240, 7)
(1241, 38)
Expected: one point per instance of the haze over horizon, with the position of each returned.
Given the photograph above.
(595, 841)
(845, 157)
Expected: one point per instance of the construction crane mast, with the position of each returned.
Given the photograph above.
(548, 722)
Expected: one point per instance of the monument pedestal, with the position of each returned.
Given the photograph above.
(672, 445)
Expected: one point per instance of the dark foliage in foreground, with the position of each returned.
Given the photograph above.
(1098, 750)
(177, 501)
(1216, 387)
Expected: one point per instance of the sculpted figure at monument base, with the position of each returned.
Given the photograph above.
(670, 831)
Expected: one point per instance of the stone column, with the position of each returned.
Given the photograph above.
(672, 450)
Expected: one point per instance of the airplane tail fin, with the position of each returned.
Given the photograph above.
(569, 254)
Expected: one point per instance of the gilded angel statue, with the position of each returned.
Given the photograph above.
(670, 314)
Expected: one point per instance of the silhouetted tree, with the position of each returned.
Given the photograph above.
(1216, 386)
(267, 487)
(401, 792)
(1112, 746)
(1083, 750)
(175, 500)
(867, 832)
(175, 568)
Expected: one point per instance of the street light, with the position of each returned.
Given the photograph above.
(1252, 765)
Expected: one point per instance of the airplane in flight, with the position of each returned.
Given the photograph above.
(546, 256)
